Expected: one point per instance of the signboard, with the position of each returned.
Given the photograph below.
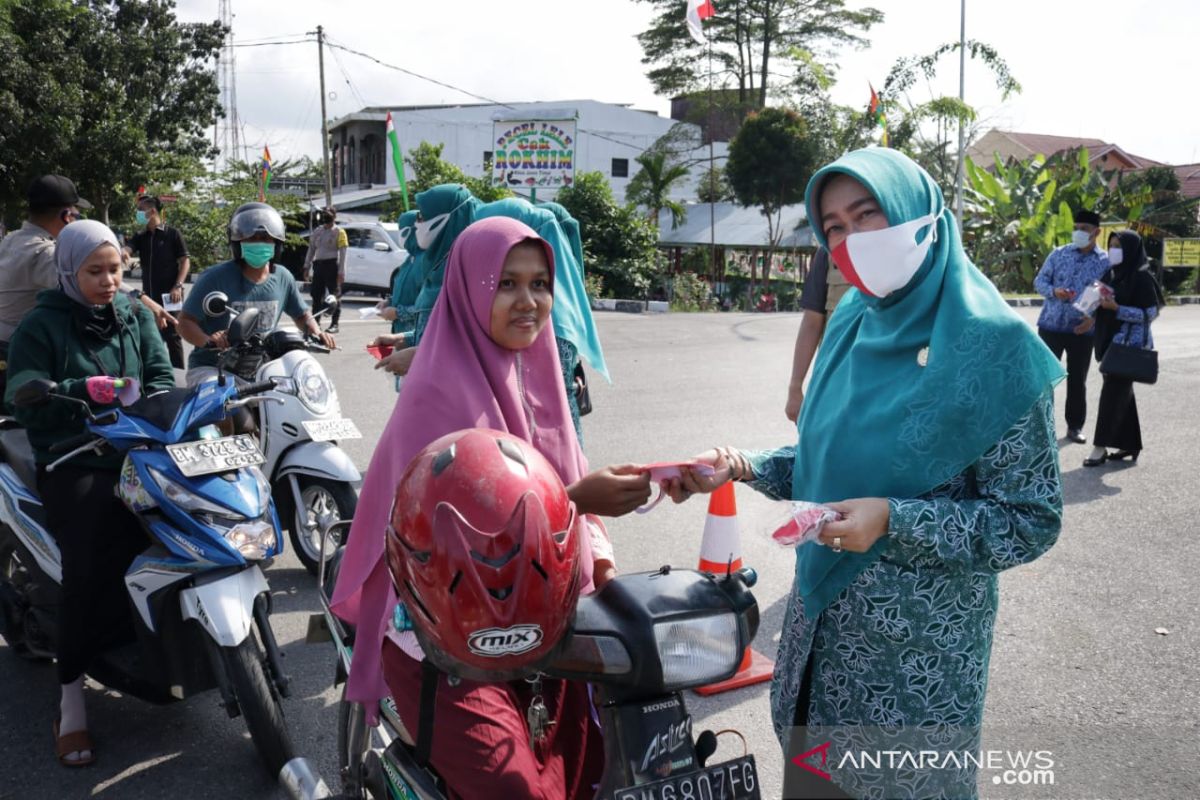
(1181, 252)
(535, 154)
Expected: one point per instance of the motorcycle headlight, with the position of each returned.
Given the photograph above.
(697, 651)
(313, 387)
(189, 501)
(252, 539)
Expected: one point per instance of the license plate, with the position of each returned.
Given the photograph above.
(216, 455)
(730, 780)
(322, 430)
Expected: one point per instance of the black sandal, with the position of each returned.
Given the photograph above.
(1121, 455)
(1095, 462)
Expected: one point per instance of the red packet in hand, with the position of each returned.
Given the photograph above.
(379, 350)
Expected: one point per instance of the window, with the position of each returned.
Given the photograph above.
(620, 167)
(487, 158)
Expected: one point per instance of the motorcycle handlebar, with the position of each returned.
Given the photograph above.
(67, 445)
(256, 388)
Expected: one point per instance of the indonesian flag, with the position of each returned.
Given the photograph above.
(697, 12)
(397, 159)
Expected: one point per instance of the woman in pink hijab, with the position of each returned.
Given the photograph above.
(487, 360)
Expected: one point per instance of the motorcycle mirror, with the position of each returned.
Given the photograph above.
(34, 393)
(243, 325)
(216, 304)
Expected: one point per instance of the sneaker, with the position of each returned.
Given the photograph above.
(332, 329)
(1074, 435)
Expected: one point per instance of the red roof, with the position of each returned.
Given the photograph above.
(1047, 145)
(1189, 179)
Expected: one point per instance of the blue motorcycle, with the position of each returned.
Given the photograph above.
(201, 603)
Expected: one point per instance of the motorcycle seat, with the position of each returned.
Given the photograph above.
(18, 454)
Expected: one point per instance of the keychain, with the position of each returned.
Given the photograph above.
(537, 717)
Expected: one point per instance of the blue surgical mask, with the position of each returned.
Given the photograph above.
(141, 217)
(1080, 239)
(258, 254)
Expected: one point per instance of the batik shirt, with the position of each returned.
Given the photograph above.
(1068, 267)
(907, 644)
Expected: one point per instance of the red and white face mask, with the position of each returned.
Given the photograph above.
(884, 261)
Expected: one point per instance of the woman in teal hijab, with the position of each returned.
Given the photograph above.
(929, 426)
(401, 310)
(443, 212)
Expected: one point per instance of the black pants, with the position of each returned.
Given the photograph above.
(98, 538)
(3, 374)
(1117, 424)
(1079, 361)
(325, 281)
(174, 345)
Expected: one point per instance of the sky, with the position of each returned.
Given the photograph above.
(1099, 69)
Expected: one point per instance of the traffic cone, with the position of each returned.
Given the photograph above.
(720, 553)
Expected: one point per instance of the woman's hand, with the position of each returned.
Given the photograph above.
(388, 313)
(1108, 303)
(794, 401)
(690, 483)
(398, 362)
(603, 571)
(388, 340)
(863, 521)
(611, 492)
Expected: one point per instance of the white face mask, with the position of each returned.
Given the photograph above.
(428, 230)
(1115, 256)
(884, 261)
(404, 233)
(1080, 239)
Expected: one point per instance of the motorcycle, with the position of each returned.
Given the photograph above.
(640, 641)
(201, 602)
(313, 480)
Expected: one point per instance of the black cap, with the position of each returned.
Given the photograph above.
(1087, 217)
(54, 191)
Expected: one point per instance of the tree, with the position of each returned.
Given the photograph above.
(927, 130)
(754, 43)
(100, 91)
(429, 170)
(618, 242)
(770, 162)
(651, 187)
(713, 187)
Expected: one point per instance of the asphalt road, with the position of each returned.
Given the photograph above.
(1075, 643)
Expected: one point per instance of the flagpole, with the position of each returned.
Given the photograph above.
(962, 78)
(712, 209)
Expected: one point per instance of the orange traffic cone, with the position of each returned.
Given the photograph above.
(721, 552)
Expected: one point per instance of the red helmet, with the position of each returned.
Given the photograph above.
(484, 549)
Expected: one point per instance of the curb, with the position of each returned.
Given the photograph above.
(1035, 302)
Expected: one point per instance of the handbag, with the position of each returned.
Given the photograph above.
(583, 398)
(1137, 364)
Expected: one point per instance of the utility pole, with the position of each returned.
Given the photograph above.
(962, 79)
(324, 117)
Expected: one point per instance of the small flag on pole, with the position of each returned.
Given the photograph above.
(697, 12)
(264, 174)
(397, 158)
(875, 111)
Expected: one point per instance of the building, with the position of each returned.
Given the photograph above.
(608, 137)
(1020, 146)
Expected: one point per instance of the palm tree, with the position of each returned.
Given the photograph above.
(651, 186)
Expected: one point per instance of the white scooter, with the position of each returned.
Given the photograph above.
(314, 483)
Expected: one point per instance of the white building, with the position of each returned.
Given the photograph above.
(608, 139)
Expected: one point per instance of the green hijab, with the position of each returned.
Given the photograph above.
(875, 422)
(408, 280)
(457, 201)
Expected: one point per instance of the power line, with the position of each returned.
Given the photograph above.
(271, 44)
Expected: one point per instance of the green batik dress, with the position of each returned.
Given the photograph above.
(568, 357)
(907, 644)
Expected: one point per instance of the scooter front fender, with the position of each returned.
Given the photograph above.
(225, 607)
(319, 459)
